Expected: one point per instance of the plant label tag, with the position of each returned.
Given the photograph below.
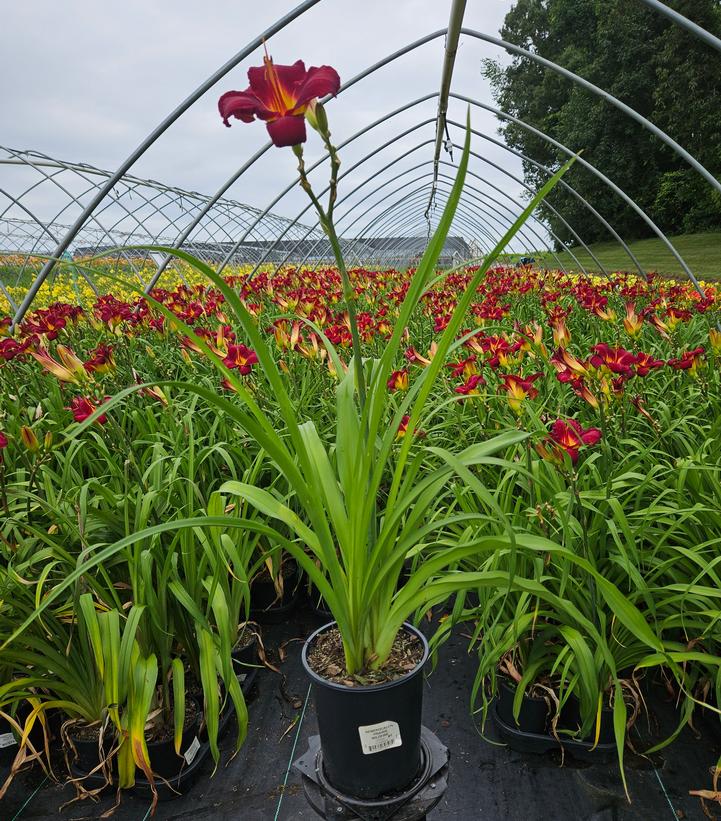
(375, 738)
(7, 740)
(192, 750)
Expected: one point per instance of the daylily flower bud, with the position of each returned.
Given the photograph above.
(29, 439)
(316, 116)
(715, 340)
(71, 362)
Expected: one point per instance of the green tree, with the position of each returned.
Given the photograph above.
(652, 65)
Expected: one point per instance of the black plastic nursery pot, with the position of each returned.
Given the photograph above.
(88, 749)
(265, 604)
(533, 716)
(532, 734)
(164, 761)
(317, 604)
(370, 736)
(8, 742)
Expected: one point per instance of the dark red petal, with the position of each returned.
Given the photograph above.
(592, 436)
(290, 78)
(318, 82)
(240, 104)
(287, 131)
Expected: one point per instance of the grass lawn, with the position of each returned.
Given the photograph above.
(702, 253)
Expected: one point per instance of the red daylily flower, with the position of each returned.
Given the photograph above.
(82, 408)
(101, 361)
(519, 389)
(645, 362)
(470, 387)
(279, 95)
(465, 368)
(567, 437)
(567, 366)
(688, 361)
(617, 360)
(398, 381)
(3, 440)
(632, 322)
(240, 357)
(580, 388)
(69, 369)
(403, 429)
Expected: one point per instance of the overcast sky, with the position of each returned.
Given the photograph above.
(87, 81)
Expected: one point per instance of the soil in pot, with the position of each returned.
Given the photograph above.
(534, 714)
(265, 603)
(327, 659)
(245, 651)
(369, 725)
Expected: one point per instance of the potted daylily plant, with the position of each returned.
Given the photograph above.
(366, 666)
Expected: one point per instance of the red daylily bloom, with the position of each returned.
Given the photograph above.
(617, 360)
(101, 361)
(82, 408)
(567, 437)
(567, 366)
(240, 357)
(398, 381)
(470, 387)
(403, 429)
(415, 358)
(466, 367)
(3, 440)
(5, 323)
(580, 388)
(688, 361)
(10, 349)
(633, 323)
(519, 389)
(645, 362)
(69, 369)
(279, 95)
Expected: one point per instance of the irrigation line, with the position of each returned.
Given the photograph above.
(665, 792)
(292, 753)
(30, 798)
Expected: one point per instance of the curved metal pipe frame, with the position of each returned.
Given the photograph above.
(684, 22)
(170, 198)
(604, 95)
(492, 207)
(592, 168)
(388, 221)
(494, 203)
(563, 183)
(406, 214)
(325, 157)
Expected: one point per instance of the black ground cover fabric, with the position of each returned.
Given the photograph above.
(487, 781)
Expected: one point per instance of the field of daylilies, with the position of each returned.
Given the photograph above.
(607, 492)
